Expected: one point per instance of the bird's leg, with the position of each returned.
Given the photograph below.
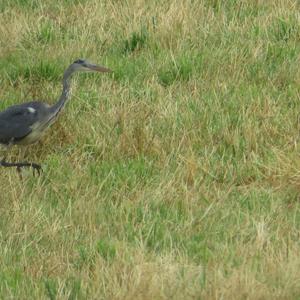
(34, 166)
(19, 165)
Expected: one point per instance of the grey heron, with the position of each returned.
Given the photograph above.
(24, 124)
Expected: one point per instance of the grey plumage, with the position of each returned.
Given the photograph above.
(17, 122)
(25, 123)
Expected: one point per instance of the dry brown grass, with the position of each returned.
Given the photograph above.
(174, 178)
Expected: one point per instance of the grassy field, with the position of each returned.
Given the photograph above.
(175, 177)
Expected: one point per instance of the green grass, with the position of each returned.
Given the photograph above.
(174, 177)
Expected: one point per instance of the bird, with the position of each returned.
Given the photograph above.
(24, 124)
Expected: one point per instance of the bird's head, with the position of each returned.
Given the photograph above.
(86, 66)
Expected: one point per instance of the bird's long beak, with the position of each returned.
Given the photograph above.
(98, 68)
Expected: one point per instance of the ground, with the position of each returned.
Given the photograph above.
(175, 177)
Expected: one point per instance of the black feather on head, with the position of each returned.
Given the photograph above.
(78, 61)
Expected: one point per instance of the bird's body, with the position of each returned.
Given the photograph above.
(25, 123)
(21, 125)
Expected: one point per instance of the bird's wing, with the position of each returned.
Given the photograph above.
(16, 122)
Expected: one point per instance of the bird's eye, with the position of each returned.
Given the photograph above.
(78, 61)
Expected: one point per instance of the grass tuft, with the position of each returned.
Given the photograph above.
(136, 41)
(51, 289)
(106, 249)
(180, 69)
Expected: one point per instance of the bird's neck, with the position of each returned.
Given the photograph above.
(64, 97)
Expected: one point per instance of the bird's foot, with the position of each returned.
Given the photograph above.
(35, 167)
(20, 165)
